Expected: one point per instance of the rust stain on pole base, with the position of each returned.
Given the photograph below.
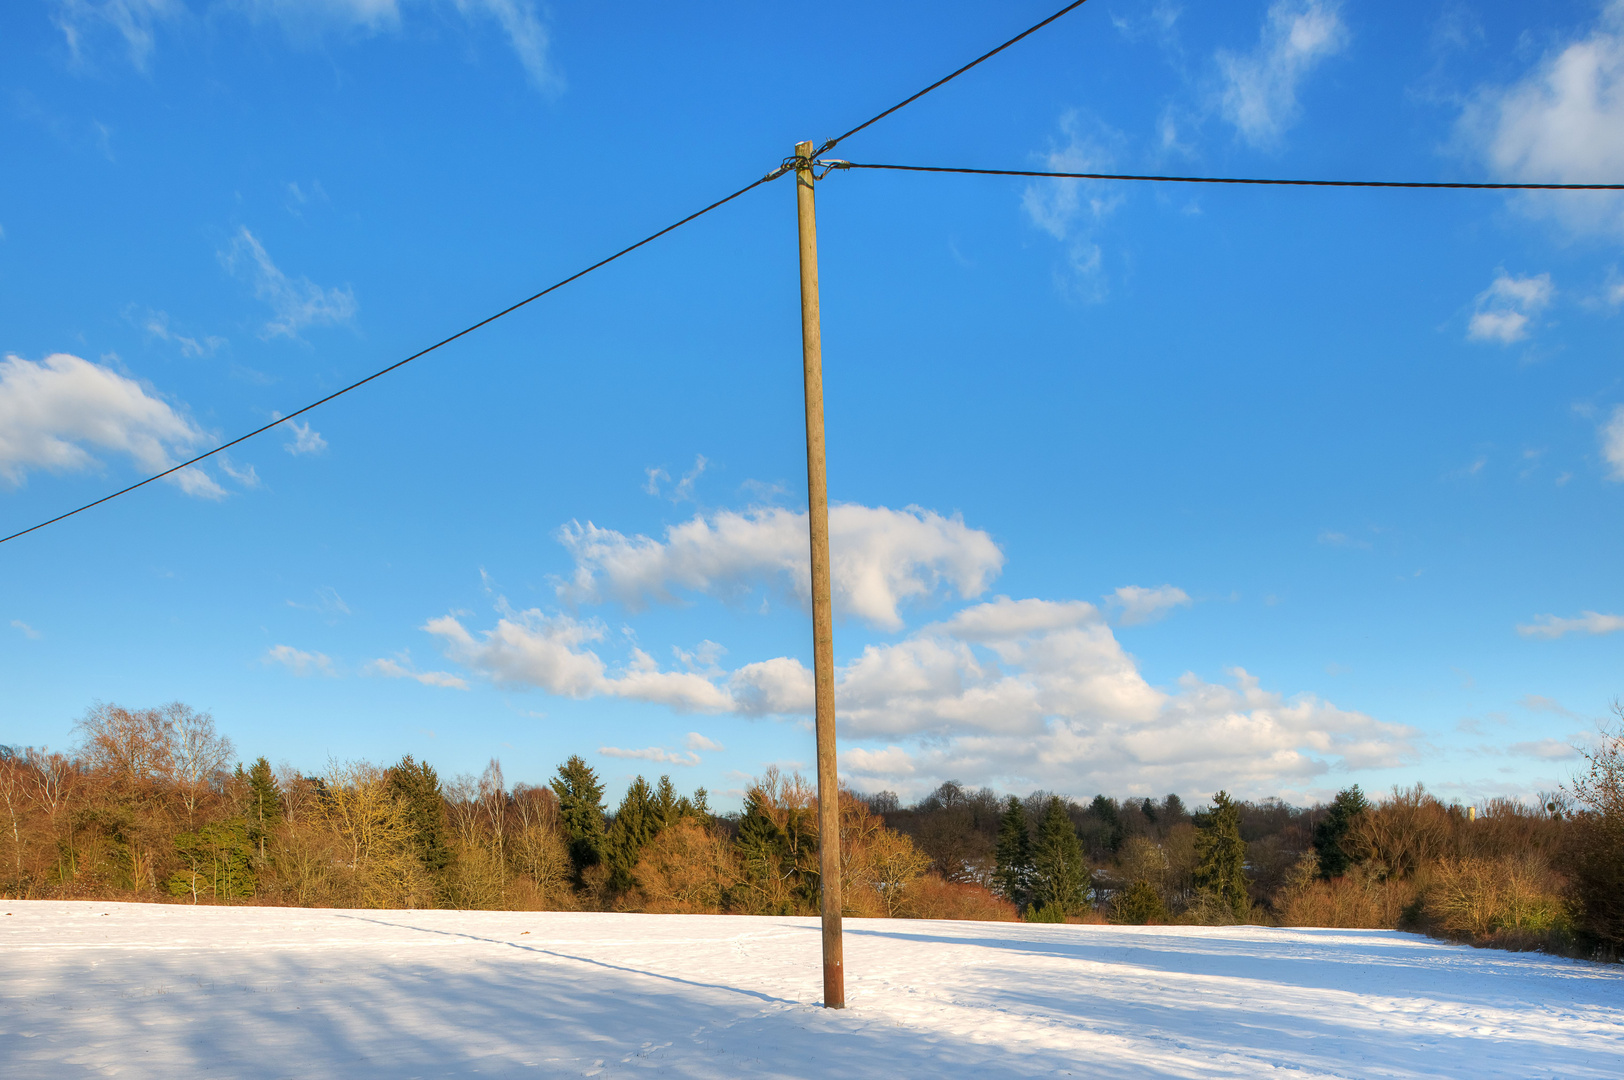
(823, 642)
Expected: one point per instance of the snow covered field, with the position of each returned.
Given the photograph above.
(166, 991)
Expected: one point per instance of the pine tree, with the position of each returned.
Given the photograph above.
(667, 807)
(1059, 874)
(1013, 855)
(264, 807)
(1220, 871)
(417, 786)
(1330, 835)
(580, 813)
(636, 823)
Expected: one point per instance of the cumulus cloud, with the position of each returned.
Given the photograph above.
(1141, 605)
(1021, 692)
(881, 559)
(1589, 622)
(1612, 443)
(1258, 92)
(298, 661)
(295, 302)
(394, 669)
(552, 653)
(52, 411)
(1505, 308)
(1562, 122)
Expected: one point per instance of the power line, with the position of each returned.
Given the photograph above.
(836, 164)
(1029, 31)
(775, 174)
(400, 363)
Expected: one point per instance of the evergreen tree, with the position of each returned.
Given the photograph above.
(1013, 855)
(1220, 871)
(1173, 810)
(667, 807)
(1059, 875)
(580, 813)
(701, 808)
(1148, 809)
(638, 821)
(264, 807)
(417, 786)
(1330, 835)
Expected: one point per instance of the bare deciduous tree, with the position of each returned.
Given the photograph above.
(198, 753)
(136, 746)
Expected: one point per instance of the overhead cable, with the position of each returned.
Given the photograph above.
(1028, 32)
(834, 164)
(400, 363)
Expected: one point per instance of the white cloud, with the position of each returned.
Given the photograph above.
(1544, 749)
(295, 302)
(529, 648)
(1259, 88)
(1589, 622)
(696, 741)
(298, 661)
(28, 631)
(1141, 605)
(1612, 443)
(881, 559)
(392, 669)
(52, 410)
(156, 324)
(1331, 538)
(1505, 308)
(132, 20)
(519, 21)
(1071, 210)
(1018, 692)
(1562, 122)
(305, 440)
(652, 753)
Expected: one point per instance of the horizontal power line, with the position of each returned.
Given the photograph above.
(836, 164)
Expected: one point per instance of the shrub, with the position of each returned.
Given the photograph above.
(1138, 904)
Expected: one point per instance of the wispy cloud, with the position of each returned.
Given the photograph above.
(1331, 538)
(1612, 443)
(652, 753)
(295, 302)
(1505, 308)
(156, 324)
(1589, 622)
(696, 741)
(1258, 89)
(298, 661)
(1140, 605)
(305, 440)
(1072, 210)
(394, 669)
(133, 22)
(27, 631)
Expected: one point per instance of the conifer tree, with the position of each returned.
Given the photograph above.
(667, 807)
(417, 786)
(1220, 871)
(580, 813)
(636, 823)
(264, 807)
(1013, 855)
(1330, 835)
(1059, 873)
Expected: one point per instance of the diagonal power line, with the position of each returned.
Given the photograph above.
(781, 170)
(1453, 185)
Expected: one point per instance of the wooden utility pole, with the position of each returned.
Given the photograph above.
(823, 637)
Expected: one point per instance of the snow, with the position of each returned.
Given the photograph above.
(133, 990)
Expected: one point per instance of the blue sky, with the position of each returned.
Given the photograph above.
(1138, 489)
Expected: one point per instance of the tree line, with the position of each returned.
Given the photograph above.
(153, 804)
